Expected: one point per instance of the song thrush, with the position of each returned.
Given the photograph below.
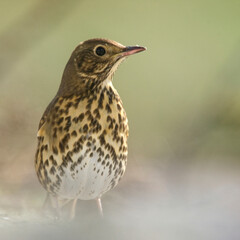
(82, 137)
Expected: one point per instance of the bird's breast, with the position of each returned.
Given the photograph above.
(83, 145)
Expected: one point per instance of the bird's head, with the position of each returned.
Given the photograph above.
(91, 63)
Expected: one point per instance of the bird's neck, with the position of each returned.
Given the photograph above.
(70, 88)
(87, 85)
(106, 86)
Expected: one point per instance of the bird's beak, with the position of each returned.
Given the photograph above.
(127, 51)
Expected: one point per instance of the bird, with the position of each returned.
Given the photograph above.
(82, 136)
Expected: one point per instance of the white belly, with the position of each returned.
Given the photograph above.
(89, 179)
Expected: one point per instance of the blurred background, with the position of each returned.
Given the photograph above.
(182, 97)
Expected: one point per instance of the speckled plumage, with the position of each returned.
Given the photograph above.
(82, 136)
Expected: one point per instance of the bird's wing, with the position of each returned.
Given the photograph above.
(47, 111)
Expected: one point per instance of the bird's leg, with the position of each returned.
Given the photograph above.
(46, 203)
(99, 203)
(45, 209)
(73, 209)
(58, 210)
(56, 206)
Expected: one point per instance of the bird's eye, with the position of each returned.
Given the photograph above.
(100, 51)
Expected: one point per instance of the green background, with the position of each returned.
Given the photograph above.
(182, 96)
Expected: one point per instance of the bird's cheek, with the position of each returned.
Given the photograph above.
(100, 68)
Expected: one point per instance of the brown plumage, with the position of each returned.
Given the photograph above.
(82, 136)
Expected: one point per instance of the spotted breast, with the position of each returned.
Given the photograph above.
(83, 145)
